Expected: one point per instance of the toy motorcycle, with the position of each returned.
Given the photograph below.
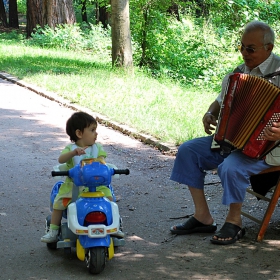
(93, 221)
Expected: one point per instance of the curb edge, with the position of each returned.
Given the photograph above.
(165, 148)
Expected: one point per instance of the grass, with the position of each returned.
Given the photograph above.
(162, 108)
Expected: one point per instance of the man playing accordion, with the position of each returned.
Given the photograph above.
(194, 157)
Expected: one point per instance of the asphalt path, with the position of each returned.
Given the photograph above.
(32, 136)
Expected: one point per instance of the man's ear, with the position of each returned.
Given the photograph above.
(79, 133)
(269, 47)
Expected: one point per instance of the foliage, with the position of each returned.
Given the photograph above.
(90, 10)
(234, 14)
(185, 61)
(14, 35)
(81, 37)
(188, 50)
(21, 6)
(196, 49)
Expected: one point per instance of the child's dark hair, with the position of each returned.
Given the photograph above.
(79, 120)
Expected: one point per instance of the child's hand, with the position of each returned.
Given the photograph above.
(80, 151)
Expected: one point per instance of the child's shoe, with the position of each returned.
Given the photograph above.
(118, 234)
(51, 236)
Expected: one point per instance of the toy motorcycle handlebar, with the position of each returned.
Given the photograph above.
(121, 171)
(91, 173)
(66, 173)
(60, 173)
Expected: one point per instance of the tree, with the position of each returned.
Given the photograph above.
(147, 15)
(174, 10)
(3, 17)
(60, 11)
(50, 12)
(13, 14)
(84, 10)
(102, 13)
(121, 38)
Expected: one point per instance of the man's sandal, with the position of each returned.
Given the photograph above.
(192, 225)
(228, 230)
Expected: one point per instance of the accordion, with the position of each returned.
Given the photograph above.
(250, 105)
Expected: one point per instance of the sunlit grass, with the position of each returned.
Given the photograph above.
(162, 108)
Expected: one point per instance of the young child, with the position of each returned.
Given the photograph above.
(81, 127)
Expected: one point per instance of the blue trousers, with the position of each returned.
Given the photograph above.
(194, 157)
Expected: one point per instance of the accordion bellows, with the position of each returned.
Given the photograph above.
(250, 105)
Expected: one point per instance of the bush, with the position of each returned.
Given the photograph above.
(21, 6)
(80, 37)
(190, 51)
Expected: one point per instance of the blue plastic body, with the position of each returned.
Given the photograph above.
(91, 175)
(88, 205)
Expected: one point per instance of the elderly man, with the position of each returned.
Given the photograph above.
(194, 157)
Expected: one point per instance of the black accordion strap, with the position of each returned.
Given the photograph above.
(272, 74)
(237, 70)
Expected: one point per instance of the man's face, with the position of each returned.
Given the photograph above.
(254, 39)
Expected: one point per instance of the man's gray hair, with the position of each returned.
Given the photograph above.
(268, 33)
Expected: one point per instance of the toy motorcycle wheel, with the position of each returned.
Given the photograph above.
(52, 246)
(95, 259)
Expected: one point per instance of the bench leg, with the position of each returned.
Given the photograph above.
(269, 211)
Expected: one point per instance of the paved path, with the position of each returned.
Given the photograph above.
(32, 136)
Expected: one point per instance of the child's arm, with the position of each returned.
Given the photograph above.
(67, 156)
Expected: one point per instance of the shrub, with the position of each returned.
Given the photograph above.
(80, 37)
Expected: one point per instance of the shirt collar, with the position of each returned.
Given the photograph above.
(260, 68)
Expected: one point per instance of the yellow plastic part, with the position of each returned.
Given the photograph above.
(111, 250)
(92, 194)
(87, 161)
(80, 251)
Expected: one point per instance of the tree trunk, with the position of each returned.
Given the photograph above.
(174, 10)
(101, 14)
(60, 11)
(84, 11)
(13, 14)
(3, 16)
(144, 38)
(202, 9)
(36, 15)
(121, 39)
(51, 12)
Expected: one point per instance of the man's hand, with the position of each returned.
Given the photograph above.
(210, 123)
(272, 133)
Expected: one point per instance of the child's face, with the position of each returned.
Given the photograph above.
(89, 135)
